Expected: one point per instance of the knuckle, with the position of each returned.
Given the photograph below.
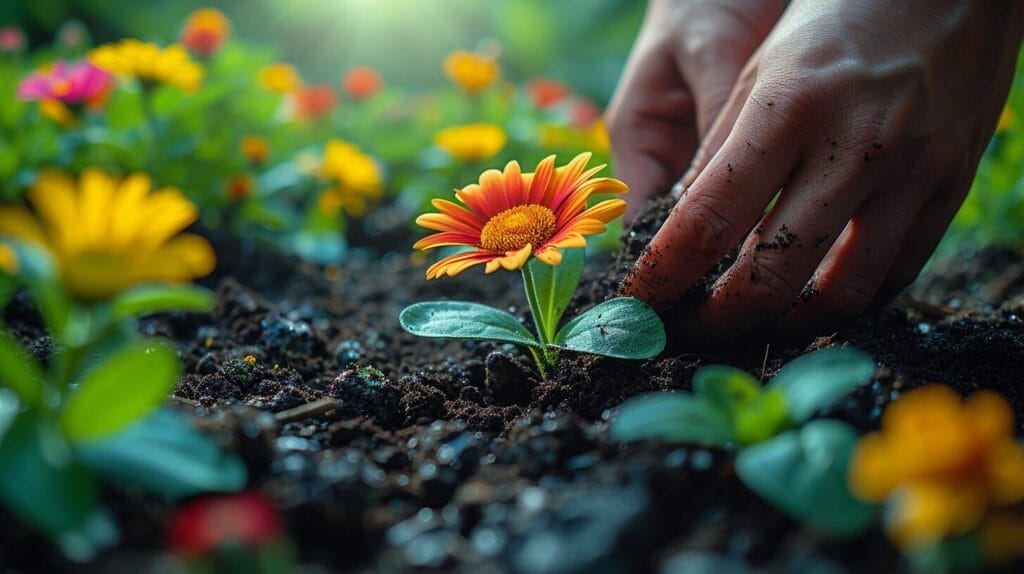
(852, 297)
(703, 229)
(769, 287)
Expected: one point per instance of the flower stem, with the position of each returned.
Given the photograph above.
(542, 356)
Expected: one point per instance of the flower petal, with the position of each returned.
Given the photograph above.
(458, 212)
(539, 180)
(446, 238)
(550, 255)
(512, 261)
(455, 264)
(442, 222)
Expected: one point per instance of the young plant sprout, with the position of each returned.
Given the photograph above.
(536, 223)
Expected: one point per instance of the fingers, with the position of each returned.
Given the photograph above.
(723, 204)
(651, 124)
(879, 253)
(782, 252)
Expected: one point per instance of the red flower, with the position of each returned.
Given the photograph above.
(361, 82)
(584, 113)
(205, 31)
(204, 524)
(311, 102)
(546, 93)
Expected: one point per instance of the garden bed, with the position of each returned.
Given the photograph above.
(388, 452)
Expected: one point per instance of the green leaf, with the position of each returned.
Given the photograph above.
(818, 379)
(41, 482)
(803, 474)
(554, 286)
(762, 419)
(625, 327)
(464, 321)
(159, 298)
(163, 453)
(672, 417)
(125, 388)
(37, 270)
(19, 371)
(728, 388)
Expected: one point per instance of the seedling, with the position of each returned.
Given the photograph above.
(534, 222)
(797, 464)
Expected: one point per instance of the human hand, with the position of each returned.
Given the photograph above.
(682, 69)
(871, 117)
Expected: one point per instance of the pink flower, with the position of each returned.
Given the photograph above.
(78, 83)
(12, 40)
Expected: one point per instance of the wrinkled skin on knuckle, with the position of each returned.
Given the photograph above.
(762, 283)
(702, 229)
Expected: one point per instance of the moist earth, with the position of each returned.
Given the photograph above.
(392, 453)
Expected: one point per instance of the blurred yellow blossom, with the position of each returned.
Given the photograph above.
(146, 61)
(280, 78)
(58, 112)
(205, 31)
(107, 235)
(940, 463)
(597, 134)
(471, 142)
(355, 179)
(471, 71)
(8, 260)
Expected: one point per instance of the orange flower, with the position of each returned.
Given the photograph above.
(546, 93)
(239, 187)
(361, 82)
(312, 102)
(471, 71)
(280, 78)
(205, 31)
(513, 215)
(255, 149)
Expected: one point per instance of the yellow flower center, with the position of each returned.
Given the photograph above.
(513, 228)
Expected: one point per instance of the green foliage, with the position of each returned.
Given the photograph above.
(624, 327)
(803, 473)
(89, 412)
(553, 286)
(798, 466)
(464, 321)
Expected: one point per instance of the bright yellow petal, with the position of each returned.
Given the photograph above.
(17, 222)
(922, 513)
(514, 260)
(1006, 471)
(605, 211)
(95, 198)
(871, 474)
(551, 256)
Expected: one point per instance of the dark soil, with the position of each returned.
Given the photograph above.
(417, 454)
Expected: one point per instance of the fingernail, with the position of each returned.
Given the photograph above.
(678, 190)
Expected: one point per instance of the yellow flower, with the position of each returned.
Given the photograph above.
(471, 71)
(512, 215)
(355, 176)
(472, 142)
(146, 61)
(1006, 119)
(597, 133)
(280, 78)
(940, 463)
(8, 260)
(107, 235)
(58, 112)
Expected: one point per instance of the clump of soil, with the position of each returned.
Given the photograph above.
(388, 452)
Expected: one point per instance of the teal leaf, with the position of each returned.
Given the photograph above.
(163, 453)
(672, 417)
(19, 371)
(42, 484)
(728, 388)
(803, 473)
(126, 387)
(818, 379)
(160, 298)
(554, 286)
(464, 321)
(625, 328)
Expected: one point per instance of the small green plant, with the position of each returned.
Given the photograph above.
(797, 464)
(535, 222)
(93, 411)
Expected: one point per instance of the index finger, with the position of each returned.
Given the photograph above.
(723, 204)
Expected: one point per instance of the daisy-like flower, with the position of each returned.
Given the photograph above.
(307, 103)
(70, 84)
(280, 78)
(511, 215)
(106, 235)
(472, 142)
(354, 176)
(940, 463)
(205, 31)
(146, 61)
(361, 82)
(471, 71)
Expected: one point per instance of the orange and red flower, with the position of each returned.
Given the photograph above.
(512, 215)
(312, 102)
(546, 93)
(245, 518)
(205, 31)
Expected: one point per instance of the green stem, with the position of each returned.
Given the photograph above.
(543, 357)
